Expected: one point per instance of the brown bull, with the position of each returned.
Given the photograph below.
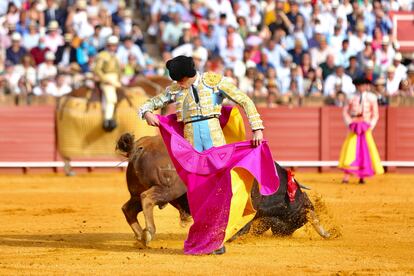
(152, 180)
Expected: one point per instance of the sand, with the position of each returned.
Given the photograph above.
(52, 224)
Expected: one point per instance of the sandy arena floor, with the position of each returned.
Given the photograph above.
(51, 224)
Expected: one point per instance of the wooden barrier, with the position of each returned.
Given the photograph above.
(294, 134)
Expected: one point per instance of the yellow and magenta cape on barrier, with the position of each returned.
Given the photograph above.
(359, 154)
(219, 180)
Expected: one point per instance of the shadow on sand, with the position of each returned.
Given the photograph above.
(112, 242)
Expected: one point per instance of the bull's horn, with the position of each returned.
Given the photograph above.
(304, 187)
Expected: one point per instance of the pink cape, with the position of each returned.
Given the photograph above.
(362, 165)
(207, 176)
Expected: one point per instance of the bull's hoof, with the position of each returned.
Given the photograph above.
(185, 222)
(326, 235)
(147, 237)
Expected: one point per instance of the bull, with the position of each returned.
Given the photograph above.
(152, 181)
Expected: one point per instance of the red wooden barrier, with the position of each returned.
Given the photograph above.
(27, 134)
(294, 134)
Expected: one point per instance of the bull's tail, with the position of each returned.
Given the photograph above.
(125, 144)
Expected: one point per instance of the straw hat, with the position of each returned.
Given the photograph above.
(53, 25)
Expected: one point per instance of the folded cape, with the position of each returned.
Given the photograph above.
(219, 180)
(359, 154)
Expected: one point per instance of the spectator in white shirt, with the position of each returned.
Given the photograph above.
(31, 38)
(129, 48)
(61, 87)
(357, 41)
(172, 32)
(47, 69)
(385, 55)
(53, 39)
(339, 77)
(320, 53)
(275, 53)
(230, 53)
(23, 77)
(400, 69)
(392, 83)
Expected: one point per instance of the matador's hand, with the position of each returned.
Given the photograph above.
(257, 137)
(151, 119)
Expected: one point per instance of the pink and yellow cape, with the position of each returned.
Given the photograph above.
(359, 154)
(219, 180)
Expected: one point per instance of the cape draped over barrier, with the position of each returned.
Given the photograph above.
(359, 154)
(79, 125)
(219, 180)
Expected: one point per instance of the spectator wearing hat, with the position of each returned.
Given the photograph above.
(129, 48)
(385, 55)
(53, 39)
(54, 13)
(357, 40)
(108, 71)
(15, 52)
(392, 83)
(400, 69)
(65, 54)
(338, 76)
(381, 91)
(47, 69)
(38, 53)
(360, 113)
(31, 38)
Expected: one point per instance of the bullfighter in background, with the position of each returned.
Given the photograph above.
(206, 144)
(108, 71)
(359, 155)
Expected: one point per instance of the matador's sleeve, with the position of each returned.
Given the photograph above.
(159, 101)
(231, 92)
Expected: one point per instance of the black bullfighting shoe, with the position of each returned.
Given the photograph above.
(109, 125)
(106, 125)
(112, 124)
(219, 251)
(361, 181)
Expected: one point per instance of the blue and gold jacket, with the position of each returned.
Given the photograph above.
(212, 89)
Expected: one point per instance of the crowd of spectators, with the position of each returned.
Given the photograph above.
(274, 50)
